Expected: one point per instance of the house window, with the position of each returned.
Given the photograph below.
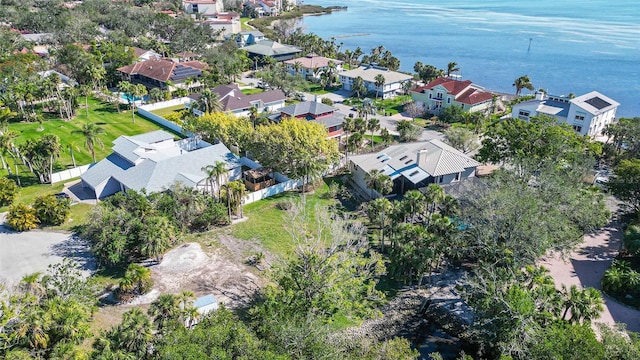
(429, 95)
(523, 113)
(404, 157)
(457, 177)
(577, 128)
(414, 173)
(440, 178)
(448, 100)
(579, 117)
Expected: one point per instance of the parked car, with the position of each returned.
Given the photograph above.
(299, 97)
(61, 195)
(263, 85)
(601, 180)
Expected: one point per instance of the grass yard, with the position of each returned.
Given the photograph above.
(28, 194)
(266, 222)
(244, 24)
(252, 91)
(77, 216)
(103, 114)
(392, 106)
(168, 110)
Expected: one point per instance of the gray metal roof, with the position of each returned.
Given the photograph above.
(416, 161)
(271, 48)
(307, 107)
(368, 73)
(162, 168)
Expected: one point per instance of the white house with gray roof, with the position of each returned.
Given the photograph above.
(414, 165)
(588, 114)
(393, 80)
(154, 161)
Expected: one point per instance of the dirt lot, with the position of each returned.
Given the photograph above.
(218, 269)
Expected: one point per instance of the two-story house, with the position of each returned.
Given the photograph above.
(314, 111)
(204, 7)
(588, 114)
(312, 66)
(234, 101)
(443, 92)
(162, 73)
(393, 80)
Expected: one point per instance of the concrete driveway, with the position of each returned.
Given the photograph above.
(587, 264)
(28, 252)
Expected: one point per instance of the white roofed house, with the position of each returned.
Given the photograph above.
(414, 165)
(588, 114)
(393, 80)
(154, 161)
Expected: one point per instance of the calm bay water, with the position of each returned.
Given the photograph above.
(576, 46)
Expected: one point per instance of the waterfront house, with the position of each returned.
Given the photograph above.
(224, 24)
(245, 38)
(159, 72)
(259, 51)
(587, 114)
(314, 111)
(393, 80)
(204, 7)
(443, 92)
(414, 165)
(312, 66)
(154, 161)
(234, 101)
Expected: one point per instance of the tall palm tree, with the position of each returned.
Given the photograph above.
(85, 90)
(358, 86)
(138, 91)
(372, 125)
(210, 101)
(238, 191)
(165, 309)
(216, 172)
(413, 201)
(379, 81)
(379, 182)
(434, 195)
(90, 131)
(452, 67)
(381, 206)
(523, 82)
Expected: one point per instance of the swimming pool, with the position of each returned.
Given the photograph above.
(127, 98)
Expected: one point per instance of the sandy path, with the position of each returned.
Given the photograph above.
(586, 265)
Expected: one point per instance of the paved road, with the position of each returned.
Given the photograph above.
(28, 252)
(387, 122)
(587, 264)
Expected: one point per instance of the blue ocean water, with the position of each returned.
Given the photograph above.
(576, 45)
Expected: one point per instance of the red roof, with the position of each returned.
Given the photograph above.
(160, 69)
(463, 91)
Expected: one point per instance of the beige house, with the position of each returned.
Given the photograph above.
(393, 80)
(443, 92)
(312, 66)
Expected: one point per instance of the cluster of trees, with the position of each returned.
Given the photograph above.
(133, 226)
(46, 210)
(291, 147)
(48, 316)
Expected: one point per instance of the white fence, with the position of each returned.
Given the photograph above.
(69, 173)
(272, 190)
(146, 112)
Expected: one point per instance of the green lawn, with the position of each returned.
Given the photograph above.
(243, 24)
(103, 114)
(392, 106)
(266, 222)
(252, 91)
(168, 110)
(29, 193)
(77, 216)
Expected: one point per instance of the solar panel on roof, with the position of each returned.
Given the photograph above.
(597, 103)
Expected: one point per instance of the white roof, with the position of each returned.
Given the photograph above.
(437, 158)
(368, 73)
(595, 102)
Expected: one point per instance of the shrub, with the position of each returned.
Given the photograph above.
(327, 101)
(51, 210)
(22, 217)
(215, 214)
(136, 281)
(8, 191)
(632, 239)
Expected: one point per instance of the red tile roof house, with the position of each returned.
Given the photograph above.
(159, 72)
(444, 92)
(239, 104)
(312, 65)
(315, 111)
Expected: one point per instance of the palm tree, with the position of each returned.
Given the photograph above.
(126, 88)
(90, 131)
(354, 142)
(216, 171)
(137, 91)
(372, 125)
(379, 182)
(451, 68)
(156, 94)
(30, 284)
(85, 90)
(381, 206)
(238, 191)
(523, 82)
(165, 309)
(134, 332)
(379, 81)
(358, 86)
(434, 195)
(253, 115)
(210, 101)
(413, 201)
